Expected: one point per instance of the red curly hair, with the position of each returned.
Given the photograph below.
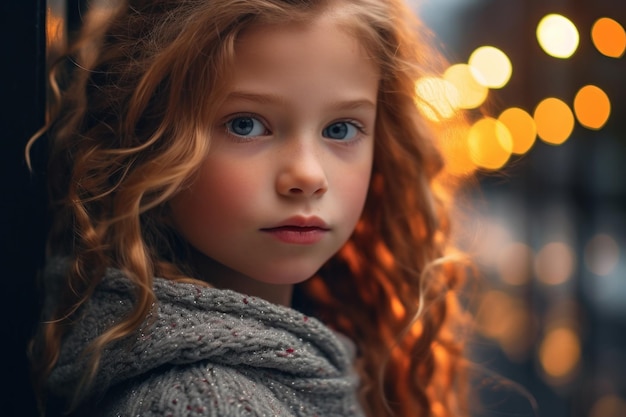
(130, 129)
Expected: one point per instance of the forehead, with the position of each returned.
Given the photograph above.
(295, 50)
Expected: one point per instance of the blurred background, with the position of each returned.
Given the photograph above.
(542, 82)
(543, 85)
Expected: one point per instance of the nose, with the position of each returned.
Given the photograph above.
(301, 173)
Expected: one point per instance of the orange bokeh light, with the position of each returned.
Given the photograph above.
(609, 406)
(592, 107)
(490, 143)
(609, 37)
(554, 120)
(456, 153)
(522, 127)
(559, 352)
(506, 319)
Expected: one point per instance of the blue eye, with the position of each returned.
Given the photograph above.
(340, 131)
(246, 126)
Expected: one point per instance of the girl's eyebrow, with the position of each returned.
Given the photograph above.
(273, 99)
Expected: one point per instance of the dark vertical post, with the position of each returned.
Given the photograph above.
(22, 200)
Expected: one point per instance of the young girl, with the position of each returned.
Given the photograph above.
(248, 217)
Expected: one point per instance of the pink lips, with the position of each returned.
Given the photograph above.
(299, 230)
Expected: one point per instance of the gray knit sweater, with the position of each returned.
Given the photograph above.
(208, 352)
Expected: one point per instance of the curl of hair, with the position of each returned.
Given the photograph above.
(137, 94)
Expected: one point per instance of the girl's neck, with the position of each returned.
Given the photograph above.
(223, 277)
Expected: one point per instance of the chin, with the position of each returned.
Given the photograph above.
(286, 277)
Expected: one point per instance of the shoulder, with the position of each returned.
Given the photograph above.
(193, 390)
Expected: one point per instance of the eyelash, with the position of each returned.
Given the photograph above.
(355, 140)
(358, 125)
(243, 139)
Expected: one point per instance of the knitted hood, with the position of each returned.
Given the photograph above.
(200, 335)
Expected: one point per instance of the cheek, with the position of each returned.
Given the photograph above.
(353, 186)
(219, 193)
(228, 181)
(361, 189)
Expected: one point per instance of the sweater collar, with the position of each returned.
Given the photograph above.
(191, 323)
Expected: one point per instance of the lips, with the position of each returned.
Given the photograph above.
(299, 230)
(301, 222)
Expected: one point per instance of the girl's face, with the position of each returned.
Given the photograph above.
(286, 177)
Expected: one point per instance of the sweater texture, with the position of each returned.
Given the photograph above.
(207, 352)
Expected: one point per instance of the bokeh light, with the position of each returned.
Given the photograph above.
(609, 37)
(494, 305)
(554, 263)
(515, 313)
(492, 65)
(559, 352)
(601, 254)
(436, 98)
(592, 107)
(491, 237)
(490, 143)
(471, 93)
(557, 36)
(609, 406)
(456, 153)
(522, 127)
(554, 120)
(506, 319)
(514, 263)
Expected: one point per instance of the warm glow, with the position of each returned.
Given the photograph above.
(558, 36)
(490, 143)
(494, 306)
(559, 352)
(417, 329)
(384, 256)
(437, 409)
(471, 93)
(506, 319)
(456, 153)
(492, 66)
(609, 37)
(437, 98)
(514, 263)
(55, 29)
(522, 127)
(602, 255)
(555, 263)
(592, 107)
(554, 121)
(397, 308)
(609, 406)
